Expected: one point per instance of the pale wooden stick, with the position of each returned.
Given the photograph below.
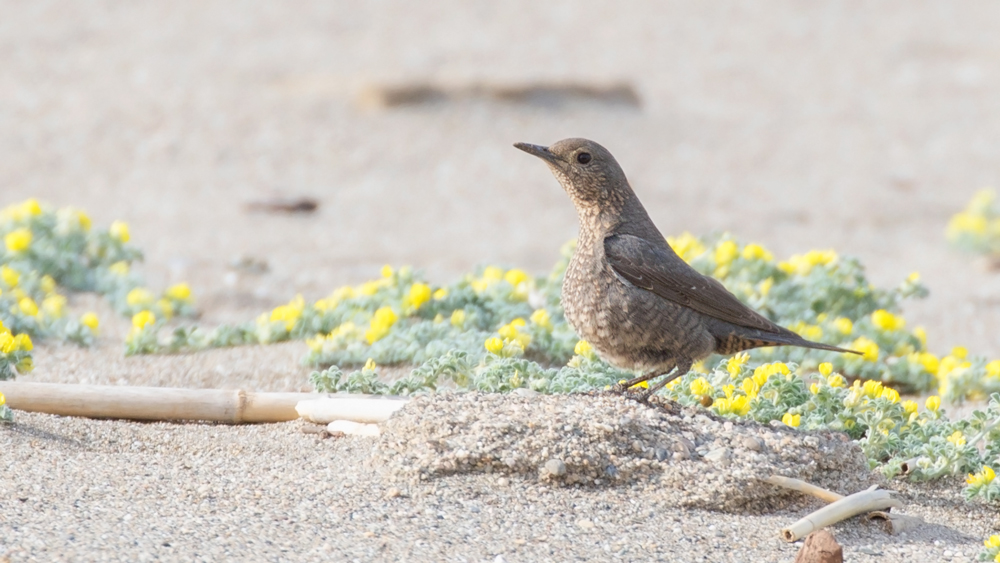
(324, 410)
(152, 403)
(803, 487)
(851, 505)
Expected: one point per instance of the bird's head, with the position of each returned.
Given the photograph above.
(587, 171)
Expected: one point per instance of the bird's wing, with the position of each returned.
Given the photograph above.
(662, 272)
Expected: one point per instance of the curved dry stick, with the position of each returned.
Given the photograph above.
(851, 505)
(803, 487)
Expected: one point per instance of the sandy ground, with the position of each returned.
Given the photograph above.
(839, 125)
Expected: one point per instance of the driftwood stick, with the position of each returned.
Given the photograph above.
(803, 487)
(152, 403)
(851, 505)
(324, 410)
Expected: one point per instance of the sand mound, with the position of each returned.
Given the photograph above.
(689, 457)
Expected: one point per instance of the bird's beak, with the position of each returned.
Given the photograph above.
(541, 152)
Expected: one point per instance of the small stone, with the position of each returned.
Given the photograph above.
(820, 547)
(525, 392)
(611, 471)
(503, 481)
(869, 551)
(661, 454)
(393, 492)
(585, 524)
(554, 467)
(751, 443)
(636, 446)
(717, 455)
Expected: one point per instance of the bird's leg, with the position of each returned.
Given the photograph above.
(624, 386)
(683, 366)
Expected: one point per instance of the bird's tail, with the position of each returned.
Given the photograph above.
(733, 343)
(796, 340)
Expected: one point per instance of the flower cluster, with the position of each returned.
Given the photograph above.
(977, 228)
(15, 353)
(991, 551)
(46, 252)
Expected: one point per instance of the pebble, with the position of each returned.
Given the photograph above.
(555, 467)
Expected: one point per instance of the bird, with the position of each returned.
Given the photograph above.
(627, 292)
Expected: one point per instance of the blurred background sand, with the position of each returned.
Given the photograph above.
(848, 125)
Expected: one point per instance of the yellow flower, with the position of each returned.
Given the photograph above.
(583, 348)
(738, 405)
(814, 388)
(508, 331)
(993, 541)
(179, 292)
(825, 369)
(965, 222)
(914, 277)
(18, 240)
(22, 342)
(736, 363)
(984, 477)
(9, 276)
(166, 307)
(921, 334)
(910, 407)
(725, 252)
(371, 287)
(844, 325)
(886, 321)
(933, 403)
(957, 438)
(119, 230)
(993, 368)
(493, 345)
(765, 371)
(370, 365)
(890, 394)
(139, 297)
(687, 246)
(836, 380)
(119, 268)
(803, 264)
(458, 318)
(867, 347)
(25, 365)
(382, 321)
(90, 321)
(440, 294)
(750, 387)
(142, 319)
(701, 386)
(387, 271)
(420, 293)
(288, 314)
(3, 400)
(54, 306)
(872, 389)
(6, 342)
(515, 277)
(492, 274)
(929, 361)
(754, 251)
(48, 284)
(84, 220)
(960, 352)
(792, 420)
(541, 318)
(28, 307)
(31, 207)
(765, 286)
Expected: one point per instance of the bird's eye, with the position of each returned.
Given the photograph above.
(583, 158)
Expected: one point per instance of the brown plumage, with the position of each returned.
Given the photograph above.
(628, 294)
